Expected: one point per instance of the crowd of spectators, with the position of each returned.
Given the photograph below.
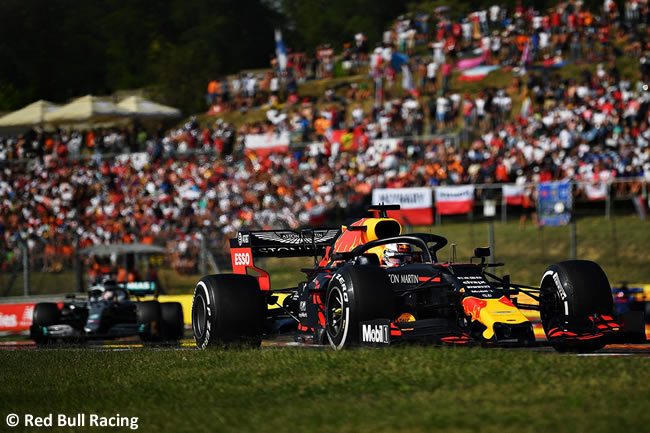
(424, 51)
(64, 144)
(592, 127)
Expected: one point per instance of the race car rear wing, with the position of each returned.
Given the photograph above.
(285, 243)
(140, 288)
(249, 245)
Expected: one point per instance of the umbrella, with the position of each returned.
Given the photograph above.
(32, 114)
(141, 107)
(89, 109)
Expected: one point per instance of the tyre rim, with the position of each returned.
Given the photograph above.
(552, 305)
(335, 312)
(198, 316)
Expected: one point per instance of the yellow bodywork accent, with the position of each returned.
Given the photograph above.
(186, 303)
(405, 318)
(379, 251)
(371, 224)
(350, 239)
(492, 311)
(646, 291)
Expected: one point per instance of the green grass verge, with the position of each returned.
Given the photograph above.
(619, 245)
(415, 389)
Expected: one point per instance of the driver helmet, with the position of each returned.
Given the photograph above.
(110, 289)
(397, 254)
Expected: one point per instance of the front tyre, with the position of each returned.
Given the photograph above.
(45, 314)
(171, 314)
(149, 321)
(355, 295)
(228, 310)
(574, 290)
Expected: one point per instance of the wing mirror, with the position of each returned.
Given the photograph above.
(480, 253)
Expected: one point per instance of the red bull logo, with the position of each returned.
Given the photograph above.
(491, 311)
(473, 307)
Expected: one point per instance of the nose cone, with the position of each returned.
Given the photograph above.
(495, 311)
(94, 321)
(91, 326)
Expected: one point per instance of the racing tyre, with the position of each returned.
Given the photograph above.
(228, 310)
(171, 315)
(355, 295)
(575, 290)
(149, 319)
(45, 314)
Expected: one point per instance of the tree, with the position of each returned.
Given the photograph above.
(313, 22)
(59, 49)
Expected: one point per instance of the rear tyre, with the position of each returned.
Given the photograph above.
(45, 314)
(228, 310)
(171, 314)
(149, 319)
(355, 295)
(577, 289)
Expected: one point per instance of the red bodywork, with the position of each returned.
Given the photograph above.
(242, 259)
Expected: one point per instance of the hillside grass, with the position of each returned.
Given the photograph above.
(627, 66)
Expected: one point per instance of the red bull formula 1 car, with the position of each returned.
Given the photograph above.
(373, 285)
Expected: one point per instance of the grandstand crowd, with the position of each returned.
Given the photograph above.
(59, 189)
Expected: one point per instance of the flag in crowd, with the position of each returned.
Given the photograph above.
(477, 74)
(280, 50)
(513, 194)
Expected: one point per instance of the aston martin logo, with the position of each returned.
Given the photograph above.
(284, 237)
(296, 238)
(242, 239)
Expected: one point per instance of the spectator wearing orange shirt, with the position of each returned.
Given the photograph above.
(321, 125)
(521, 41)
(121, 275)
(211, 96)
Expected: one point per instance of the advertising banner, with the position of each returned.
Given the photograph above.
(386, 145)
(554, 203)
(513, 194)
(596, 191)
(454, 200)
(137, 160)
(264, 144)
(15, 317)
(415, 204)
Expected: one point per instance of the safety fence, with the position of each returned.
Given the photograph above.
(588, 198)
(559, 200)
